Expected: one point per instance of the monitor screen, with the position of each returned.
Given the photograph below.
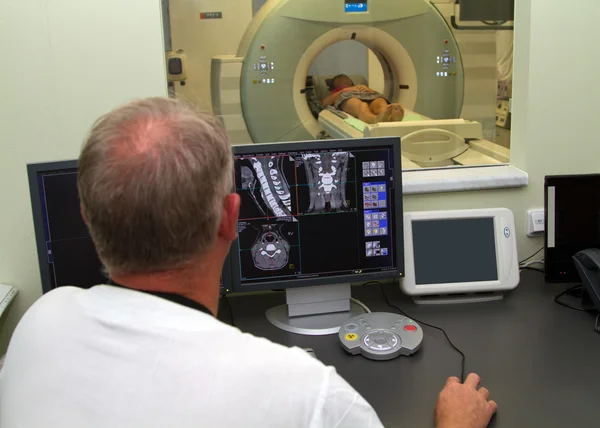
(66, 251)
(317, 212)
(454, 251)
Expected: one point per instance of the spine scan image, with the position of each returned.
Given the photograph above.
(271, 250)
(327, 177)
(274, 189)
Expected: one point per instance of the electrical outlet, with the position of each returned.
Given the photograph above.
(535, 222)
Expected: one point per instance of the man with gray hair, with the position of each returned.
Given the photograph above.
(155, 180)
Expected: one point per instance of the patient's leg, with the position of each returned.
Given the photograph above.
(361, 110)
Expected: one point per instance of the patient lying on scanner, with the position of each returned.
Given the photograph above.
(362, 102)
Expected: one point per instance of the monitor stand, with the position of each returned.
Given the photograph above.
(449, 299)
(315, 311)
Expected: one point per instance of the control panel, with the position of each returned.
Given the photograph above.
(446, 62)
(381, 336)
(263, 69)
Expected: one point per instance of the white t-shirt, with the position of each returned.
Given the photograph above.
(115, 357)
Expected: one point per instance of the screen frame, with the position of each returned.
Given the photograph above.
(551, 261)
(386, 142)
(507, 262)
(33, 172)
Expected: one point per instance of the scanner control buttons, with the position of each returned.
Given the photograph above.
(381, 340)
(351, 327)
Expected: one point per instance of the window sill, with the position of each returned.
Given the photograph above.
(457, 179)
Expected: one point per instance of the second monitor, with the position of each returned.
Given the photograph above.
(317, 214)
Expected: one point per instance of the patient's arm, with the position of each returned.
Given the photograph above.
(332, 98)
(363, 88)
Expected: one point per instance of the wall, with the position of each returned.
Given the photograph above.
(203, 39)
(66, 63)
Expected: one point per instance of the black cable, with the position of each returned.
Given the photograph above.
(531, 256)
(462, 371)
(230, 310)
(596, 326)
(571, 292)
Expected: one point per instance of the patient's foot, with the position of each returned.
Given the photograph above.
(396, 113)
(385, 115)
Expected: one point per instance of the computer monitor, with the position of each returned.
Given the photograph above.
(66, 252)
(572, 217)
(317, 214)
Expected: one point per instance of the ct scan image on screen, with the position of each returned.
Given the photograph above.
(454, 251)
(315, 213)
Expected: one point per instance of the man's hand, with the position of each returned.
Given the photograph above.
(463, 405)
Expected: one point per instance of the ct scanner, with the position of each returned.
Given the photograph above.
(261, 93)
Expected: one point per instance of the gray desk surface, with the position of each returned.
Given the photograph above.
(540, 361)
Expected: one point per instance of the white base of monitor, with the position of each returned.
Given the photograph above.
(315, 311)
(449, 299)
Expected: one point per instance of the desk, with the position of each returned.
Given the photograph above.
(540, 361)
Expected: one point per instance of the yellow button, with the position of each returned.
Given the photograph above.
(351, 336)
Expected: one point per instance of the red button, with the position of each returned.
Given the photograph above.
(410, 327)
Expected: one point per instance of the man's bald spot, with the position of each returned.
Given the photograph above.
(144, 136)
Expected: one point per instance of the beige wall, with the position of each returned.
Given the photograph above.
(203, 39)
(47, 105)
(65, 62)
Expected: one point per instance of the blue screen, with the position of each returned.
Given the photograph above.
(356, 6)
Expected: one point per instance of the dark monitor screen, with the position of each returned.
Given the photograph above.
(66, 253)
(572, 216)
(318, 213)
(454, 251)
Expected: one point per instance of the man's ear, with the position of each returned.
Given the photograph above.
(229, 218)
(82, 213)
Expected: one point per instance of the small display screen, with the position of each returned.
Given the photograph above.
(356, 6)
(454, 251)
(175, 66)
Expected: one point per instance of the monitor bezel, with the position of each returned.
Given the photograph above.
(507, 263)
(389, 142)
(33, 172)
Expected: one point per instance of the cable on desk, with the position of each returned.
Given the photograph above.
(571, 291)
(462, 371)
(596, 326)
(524, 265)
(531, 256)
(230, 310)
(530, 268)
(361, 304)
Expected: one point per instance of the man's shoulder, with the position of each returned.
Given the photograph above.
(56, 297)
